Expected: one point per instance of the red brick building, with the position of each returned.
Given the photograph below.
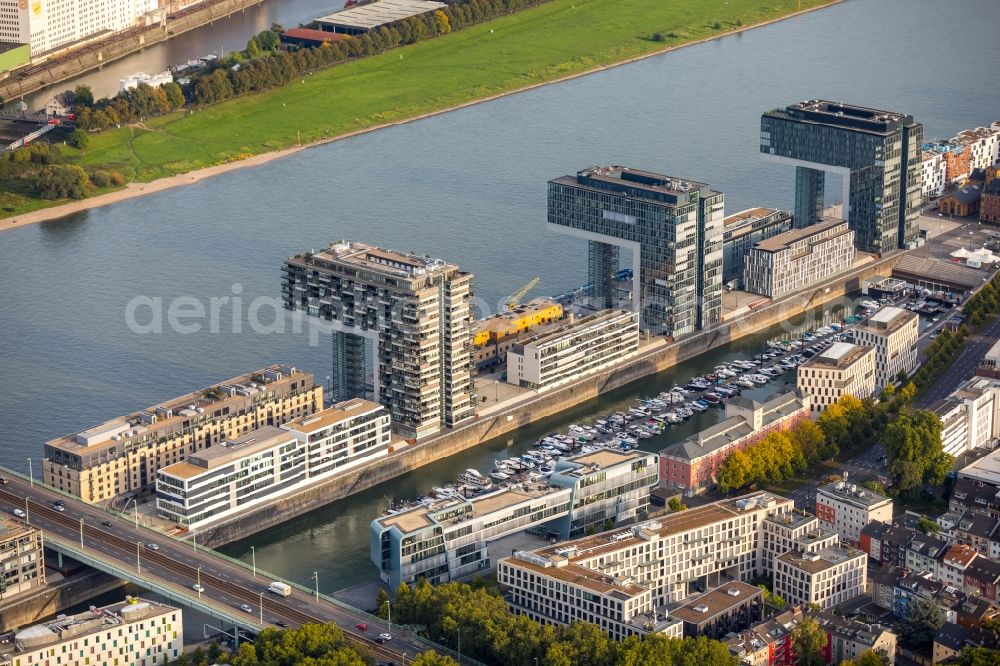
(989, 204)
(692, 465)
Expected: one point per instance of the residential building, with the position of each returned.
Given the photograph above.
(903, 547)
(731, 607)
(952, 638)
(895, 588)
(798, 258)
(769, 643)
(404, 317)
(985, 470)
(672, 226)
(842, 369)
(122, 456)
(970, 418)
(955, 561)
(979, 531)
(826, 577)
(983, 144)
(876, 153)
(692, 465)
(989, 202)
(961, 203)
(48, 26)
(358, 19)
(137, 632)
(573, 350)
(892, 332)
(845, 509)
(448, 539)
(741, 231)
(495, 335)
(933, 174)
(798, 531)
(974, 495)
(643, 569)
(22, 558)
(270, 462)
(982, 577)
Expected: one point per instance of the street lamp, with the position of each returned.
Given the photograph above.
(31, 474)
(136, 510)
(199, 582)
(81, 533)
(261, 608)
(253, 560)
(194, 541)
(138, 564)
(459, 630)
(27, 516)
(388, 611)
(316, 578)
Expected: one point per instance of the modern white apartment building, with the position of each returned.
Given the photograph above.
(270, 462)
(615, 577)
(575, 349)
(933, 174)
(47, 25)
(448, 539)
(403, 317)
(825, 577)
(796, 259)
(892, 333)
(795, 530)
(133, 633)
(122, 456)
(22, 557)
(970, 416)
(842, 369)
(983, 144)
(740, 232)
(845, 509)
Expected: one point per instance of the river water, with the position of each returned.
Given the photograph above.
(467, 186)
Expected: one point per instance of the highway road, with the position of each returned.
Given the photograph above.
(176, 565)
(976, 346)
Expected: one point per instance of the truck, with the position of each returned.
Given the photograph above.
(283, 589)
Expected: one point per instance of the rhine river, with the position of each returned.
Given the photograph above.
(467, 186)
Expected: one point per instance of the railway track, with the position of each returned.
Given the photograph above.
(277, 607)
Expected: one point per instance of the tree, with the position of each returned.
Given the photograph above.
(874, 486)
(734, 473)
(869, 658)
(978, 656)
(83, 96)
(913, 449)
(382, 602)
(175, 96)
(267, 40)
(432, 658)
(808, 641)
(77, 139)
(927, 526)
(253, 49)
(198, 656)
(676, 505)
(924, 617)
(61, 181)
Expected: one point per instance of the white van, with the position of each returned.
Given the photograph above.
(19, 513)
(282, 589)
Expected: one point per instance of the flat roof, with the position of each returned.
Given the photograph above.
(838, 355)
(887, 320)
(366, 17)
(749, 214)
(784, 241)
(13, 529)
(390, 263)
(853, 494)
(985, 469)
(912, 268)
(716, 602)
(341, 411)
(821, 560)
(208, 399)
(573, 327)
(844, 116)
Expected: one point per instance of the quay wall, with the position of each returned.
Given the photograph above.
(30, 607)
(536, 407)
(92, 56)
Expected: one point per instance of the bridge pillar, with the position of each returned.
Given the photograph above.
(59, 560)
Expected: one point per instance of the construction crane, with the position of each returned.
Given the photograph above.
(514, 299)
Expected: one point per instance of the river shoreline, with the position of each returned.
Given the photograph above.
(137, 189)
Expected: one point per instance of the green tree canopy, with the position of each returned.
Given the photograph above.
(913, 449)
(924, 617)
(808, 641)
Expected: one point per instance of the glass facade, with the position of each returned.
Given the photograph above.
(880, 150)
(674, 229)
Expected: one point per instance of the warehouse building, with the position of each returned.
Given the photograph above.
(359, 19)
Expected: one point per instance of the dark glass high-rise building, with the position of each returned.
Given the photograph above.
(673, 228)
(876, 152)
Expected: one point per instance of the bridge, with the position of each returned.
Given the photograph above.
(121, 547)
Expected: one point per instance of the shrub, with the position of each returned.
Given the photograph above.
(100, 178)
(659, 37)
(61, 181)
(77, 139)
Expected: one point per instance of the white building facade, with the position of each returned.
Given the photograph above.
(845, 509)
(47, 25)
(933, 175)
(798, 258)
(825, 577)
(574, 350)
(842, 369)
(892, 333)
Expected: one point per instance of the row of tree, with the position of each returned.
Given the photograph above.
(261, 66)
(489, 632)
(985, 303)
(939, 355)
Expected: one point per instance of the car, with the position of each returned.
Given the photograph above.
(198, 587)
(106, 523)
(4, 480)
(246, 608)
(152, 546)
(385, 637)
(281, 623)
(59, 507)
(362, 626)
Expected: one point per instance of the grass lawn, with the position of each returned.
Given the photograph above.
(559, 38)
